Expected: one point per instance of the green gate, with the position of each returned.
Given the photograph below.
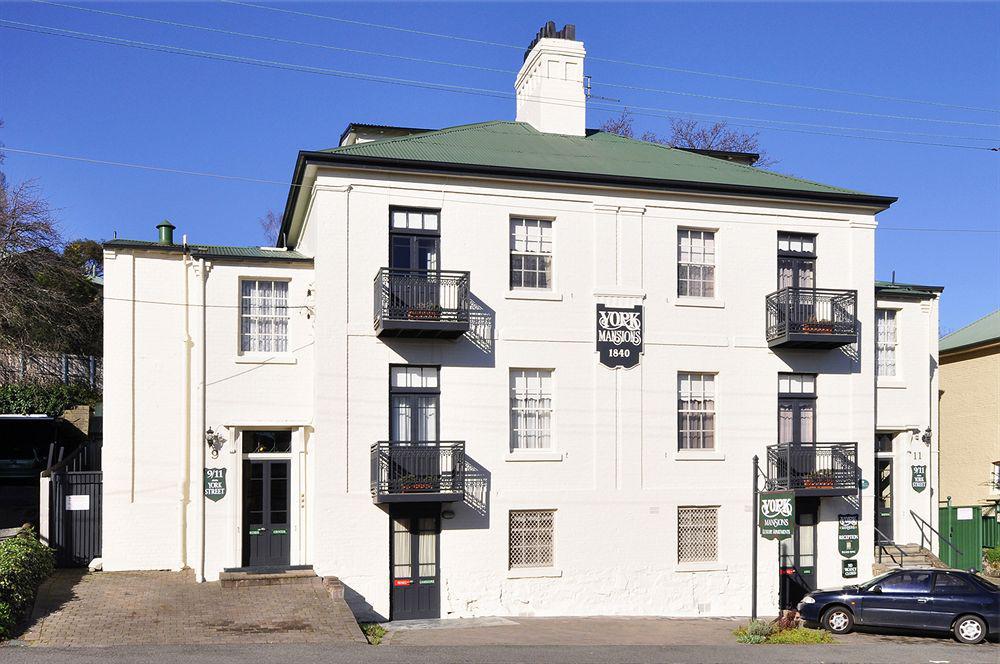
(991, 527)
(964, 527)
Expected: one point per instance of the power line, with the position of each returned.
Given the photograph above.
(639, 110)
(409, 194)
(620, 62)
(295, 42)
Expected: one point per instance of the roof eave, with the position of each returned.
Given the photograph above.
(982, 344)
(879, 203)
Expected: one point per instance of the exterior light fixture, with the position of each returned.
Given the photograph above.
(926, 437)
(447, 514)
(214, 441)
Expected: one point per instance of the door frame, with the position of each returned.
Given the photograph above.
(415, 391)
(270, 460)
(414, 232)
(413, 511)
(814, 509)
(298, 489)
(886, 458)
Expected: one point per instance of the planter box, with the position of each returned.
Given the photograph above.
(423, 314)
(817, 328)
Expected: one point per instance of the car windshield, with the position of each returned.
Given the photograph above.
(874, 581)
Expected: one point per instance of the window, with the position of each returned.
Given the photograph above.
(796, 260)
(531, 538)
(695, 411)
(789, 383)
(272, 442)
(530, 409)
(883, 442)
(995, 477)
(950, 583)
(695, 263)
(697, 534)
(414, 395)
(907, 582)
(885, 342)
(530, 253)
(263, 316)
(796, 408)
(414, 220)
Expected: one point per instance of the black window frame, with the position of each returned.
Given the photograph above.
(412, 232)
(798, 398)
(415, 391)
(800, 256)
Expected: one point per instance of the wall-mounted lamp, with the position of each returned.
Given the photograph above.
(926, 437)
(447, 514)
(214, 441)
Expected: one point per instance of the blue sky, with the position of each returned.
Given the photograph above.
(104, 102)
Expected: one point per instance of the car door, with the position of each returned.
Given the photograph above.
(953, 595)
(900, 600)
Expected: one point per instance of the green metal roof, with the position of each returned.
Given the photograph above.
(982, 331)
(212, 250)
(912, 290)
(518, 145)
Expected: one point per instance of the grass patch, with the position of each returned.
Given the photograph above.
(373, 632)
(779, 632)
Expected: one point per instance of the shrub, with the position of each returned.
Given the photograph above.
(373, 632)
(992, 556)
(35, 398)
(800, 635)
(781, 631)
(24, 564)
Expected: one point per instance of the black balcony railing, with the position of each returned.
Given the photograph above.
(818, 469)
(421, 303)
(418, 471)
(812, 317)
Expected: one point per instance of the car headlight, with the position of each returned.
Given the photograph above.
(808, 600)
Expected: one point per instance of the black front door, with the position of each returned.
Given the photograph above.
(797, 555)
(266, 528)
(415, 577)
(883, 499)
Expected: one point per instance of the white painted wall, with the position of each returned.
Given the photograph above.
(549, 88)
(907, 406)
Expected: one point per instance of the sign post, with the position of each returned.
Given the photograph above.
(619, 335)
(777, 514)
(918, 479)
(753, 566)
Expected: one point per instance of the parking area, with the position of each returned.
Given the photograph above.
(75, 608)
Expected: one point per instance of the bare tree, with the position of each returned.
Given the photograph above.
(270, 226)
(686, 133)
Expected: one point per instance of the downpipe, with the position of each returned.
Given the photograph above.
(184, 481)
(202, 417)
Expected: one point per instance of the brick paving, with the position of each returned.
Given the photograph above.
(75, 608)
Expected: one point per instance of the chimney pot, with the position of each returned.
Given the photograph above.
(166, 232)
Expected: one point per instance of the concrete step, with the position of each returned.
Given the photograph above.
(243, 579)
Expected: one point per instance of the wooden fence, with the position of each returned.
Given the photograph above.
(52, 368)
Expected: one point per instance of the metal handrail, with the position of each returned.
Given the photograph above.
(433, 295)
(921, 522)
(813, 465)
(811, 310)
(417, 467)
(888, 542)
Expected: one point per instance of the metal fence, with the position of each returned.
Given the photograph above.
(52, 368)
(417, 468)
(812, 311)
(421, 295)
(815, 466)
(75, 517)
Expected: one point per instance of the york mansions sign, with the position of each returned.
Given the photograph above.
(777, 514)
(619, 335)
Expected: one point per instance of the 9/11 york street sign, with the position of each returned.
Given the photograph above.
(619, 335)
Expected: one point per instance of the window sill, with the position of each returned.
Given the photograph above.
(890, 383)
(534, 573)
(534, 456)
(698, 455)
(707, 302)
(701, 567)
(540, 294)
(264, 358)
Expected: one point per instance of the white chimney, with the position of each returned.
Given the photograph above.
(550, 94)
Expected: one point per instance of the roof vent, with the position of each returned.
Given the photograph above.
(166, 232)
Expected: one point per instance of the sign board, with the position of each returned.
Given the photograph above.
(619, 335)
(77, 503)
(864, 483)
(963, 514)
(215, 483)
(847, 535)
(849, 569)
(402, 582)
(919, 479)
(776, 517)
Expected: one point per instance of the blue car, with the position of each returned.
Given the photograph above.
(931, 599)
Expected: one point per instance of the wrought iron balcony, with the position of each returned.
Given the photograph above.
(421, 303)
(813, 469)
(812, 318)
(418, 472)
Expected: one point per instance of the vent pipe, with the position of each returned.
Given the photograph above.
(166, 232)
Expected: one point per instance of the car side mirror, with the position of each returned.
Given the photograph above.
(875, 589)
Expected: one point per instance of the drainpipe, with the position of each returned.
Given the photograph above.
(202, 269)
(184, 481)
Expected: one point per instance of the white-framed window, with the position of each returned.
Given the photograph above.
(697, 534)
(792, 383)
(415, 219)
(263, 316)
(530, 253)
(532, 538)
(885, 342)
(530, 409)
(413, 376)
(695, 411)
(695, 263)
(995, 477)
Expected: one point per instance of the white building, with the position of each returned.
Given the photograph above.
(741, 300)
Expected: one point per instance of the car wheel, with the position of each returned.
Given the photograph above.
(839, 620)
(969, 629)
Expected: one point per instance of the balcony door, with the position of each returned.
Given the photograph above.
(414, 260)
(796, 260)
(415, 576)
(414, 416)
(797, 423)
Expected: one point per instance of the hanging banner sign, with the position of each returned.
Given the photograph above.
(849, 569)
(847, 535)
(215, 484)
(919, 479)
(776, 516)
(619, 335)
